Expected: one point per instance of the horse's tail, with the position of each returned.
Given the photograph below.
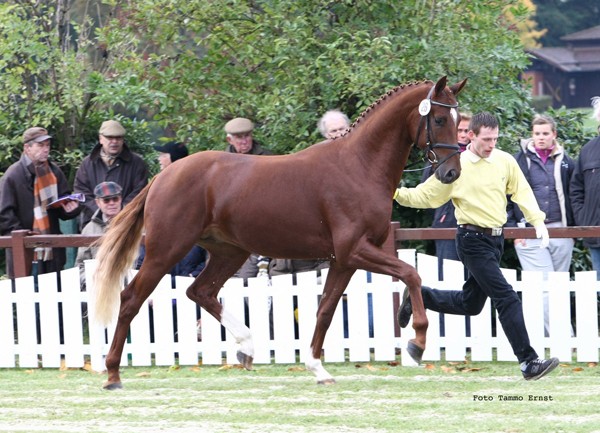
(119, 247)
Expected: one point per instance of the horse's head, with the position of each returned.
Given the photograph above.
(436, 133)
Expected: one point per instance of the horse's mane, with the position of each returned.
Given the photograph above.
(390, 93)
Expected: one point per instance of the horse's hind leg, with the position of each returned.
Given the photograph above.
(220, 267)
(132, 298)
(336, 283)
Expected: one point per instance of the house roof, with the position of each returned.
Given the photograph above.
(591, 34)
(581, 55)
(570, 60)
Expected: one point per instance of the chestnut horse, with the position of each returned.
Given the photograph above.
(331, 201)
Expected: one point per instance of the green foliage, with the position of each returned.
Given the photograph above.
(562, 17)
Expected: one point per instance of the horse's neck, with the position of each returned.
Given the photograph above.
(381, 135)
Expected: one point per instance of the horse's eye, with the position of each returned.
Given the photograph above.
(440, 121)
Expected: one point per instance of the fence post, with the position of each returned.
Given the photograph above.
(21, 256)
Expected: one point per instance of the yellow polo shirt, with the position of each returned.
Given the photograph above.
(479, 194)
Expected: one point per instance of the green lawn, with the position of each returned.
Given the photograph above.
(378, 397)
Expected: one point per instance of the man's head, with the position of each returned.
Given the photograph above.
(109, 199)
(170, 152)
(543, 131)
(239, 134)
(36, 142)
(483, 134)
(462, 134)
(112, 136)
(333, 124)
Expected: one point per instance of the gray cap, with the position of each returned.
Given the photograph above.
(239, 125)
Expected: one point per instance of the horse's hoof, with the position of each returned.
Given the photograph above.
(330, 381)
(415, 352)
(111, 386)
(245, 360)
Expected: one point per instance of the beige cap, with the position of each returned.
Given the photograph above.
(112, 128)
(239, 125)
(35, 134)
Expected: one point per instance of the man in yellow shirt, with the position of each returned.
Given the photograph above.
(479, 196)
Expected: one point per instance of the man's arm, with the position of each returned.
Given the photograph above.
(430, 194)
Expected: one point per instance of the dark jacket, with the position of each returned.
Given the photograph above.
(190, 266)
(585, 184)
(16, 203)
(129, 170)
(563, 169)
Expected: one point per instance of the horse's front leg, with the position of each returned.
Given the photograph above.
(372, 258)
(336, 283)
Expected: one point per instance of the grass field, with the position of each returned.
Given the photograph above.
(378, 397)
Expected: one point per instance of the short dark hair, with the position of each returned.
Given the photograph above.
(483, 119)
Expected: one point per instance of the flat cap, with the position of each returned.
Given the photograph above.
(35, 134)
(112, 128)
(107, 189)
(239, 125)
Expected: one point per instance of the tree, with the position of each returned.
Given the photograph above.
(562, 17)
(189, 66)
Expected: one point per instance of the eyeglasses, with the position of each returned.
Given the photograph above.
(109, 199)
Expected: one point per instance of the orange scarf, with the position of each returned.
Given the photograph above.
(45, 191)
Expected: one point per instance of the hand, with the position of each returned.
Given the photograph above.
(520, 242)
(70, 205)
(541, 232)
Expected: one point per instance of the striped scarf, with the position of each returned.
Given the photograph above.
(44, 191)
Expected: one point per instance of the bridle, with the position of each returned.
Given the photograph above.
(424, 111)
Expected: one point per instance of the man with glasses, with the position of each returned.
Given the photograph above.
(110, 161)
(110, 202)
(29, 193)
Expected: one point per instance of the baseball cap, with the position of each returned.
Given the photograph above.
(176, 150)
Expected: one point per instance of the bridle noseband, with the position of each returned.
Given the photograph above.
(424, 111)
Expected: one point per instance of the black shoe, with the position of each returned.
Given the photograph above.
(405, 310)
(538, 368)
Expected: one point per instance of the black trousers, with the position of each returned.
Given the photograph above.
(481, 253)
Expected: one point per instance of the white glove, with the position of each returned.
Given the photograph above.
(541, 232)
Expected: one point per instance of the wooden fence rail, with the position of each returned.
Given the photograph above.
(22, 243)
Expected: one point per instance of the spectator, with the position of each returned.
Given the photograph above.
(479, 195)
(110, 160)
(548, 169)
(239, 137)
(27, 191)
(170, 152)
(584, 188)
(109, 200)
(333, 124)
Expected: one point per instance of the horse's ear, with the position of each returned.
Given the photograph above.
(458, 87)
(441, 85)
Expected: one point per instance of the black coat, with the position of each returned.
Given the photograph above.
(584, 187)
(129, 170)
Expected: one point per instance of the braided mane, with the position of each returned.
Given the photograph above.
(382, 98)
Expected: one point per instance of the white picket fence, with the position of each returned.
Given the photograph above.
(47, 327)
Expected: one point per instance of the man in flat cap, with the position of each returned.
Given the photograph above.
(27, 189)
(110, 202)
(110, 161)
(239, 137)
